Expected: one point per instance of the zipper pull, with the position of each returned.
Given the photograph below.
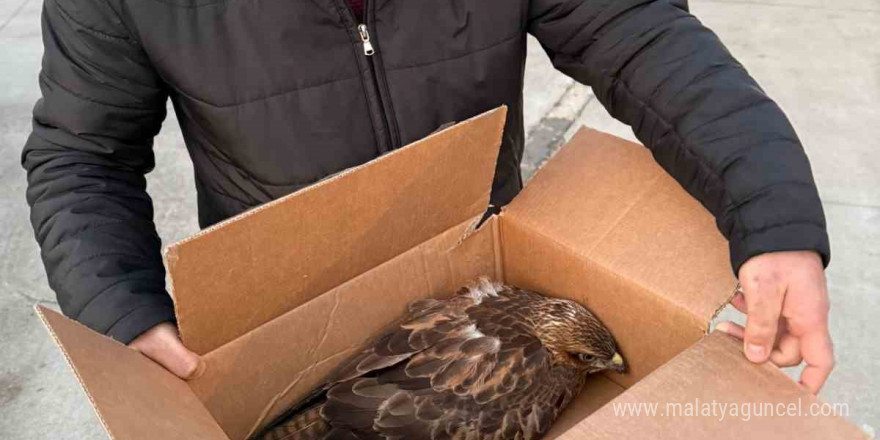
(365, 38)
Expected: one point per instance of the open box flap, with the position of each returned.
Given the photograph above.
(244, 395)
(250, 269)
(133, 397)
(607, 199)
(714, 370)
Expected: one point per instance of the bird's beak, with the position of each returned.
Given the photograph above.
(617, 363)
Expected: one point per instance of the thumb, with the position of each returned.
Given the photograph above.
(162, 344)
(764, 305)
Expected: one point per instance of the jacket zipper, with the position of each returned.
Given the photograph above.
(389, 138)
(365, 39)
(386, 144)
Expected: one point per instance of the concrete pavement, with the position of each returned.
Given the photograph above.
(818, 58)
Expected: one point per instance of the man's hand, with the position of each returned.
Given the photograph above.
(162, 344)
(785, 298)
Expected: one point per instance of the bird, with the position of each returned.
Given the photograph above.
(491, 362)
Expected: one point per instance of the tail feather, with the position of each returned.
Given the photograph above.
(305, 425)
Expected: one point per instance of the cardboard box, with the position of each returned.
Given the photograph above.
(278, 296)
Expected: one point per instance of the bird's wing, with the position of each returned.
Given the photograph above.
(449, 367)
(426, 323)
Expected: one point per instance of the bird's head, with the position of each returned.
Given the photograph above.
(576, 338)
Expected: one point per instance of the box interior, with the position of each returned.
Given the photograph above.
(276, 298)
(600, 224)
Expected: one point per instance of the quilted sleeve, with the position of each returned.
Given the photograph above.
(86, 158)
(655, 67)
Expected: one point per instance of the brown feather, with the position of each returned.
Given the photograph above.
(492, 362)
(306, 425)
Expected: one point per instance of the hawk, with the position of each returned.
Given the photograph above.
(491, 362)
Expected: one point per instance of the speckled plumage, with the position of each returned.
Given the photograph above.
(492, 362)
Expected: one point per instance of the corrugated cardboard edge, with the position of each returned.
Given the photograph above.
(494, 223)
(499, 247)
(736, 289)
(38, 309)
(169, 251)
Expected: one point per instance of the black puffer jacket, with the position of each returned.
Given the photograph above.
(273, 95)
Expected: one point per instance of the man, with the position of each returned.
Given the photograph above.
(274, 95)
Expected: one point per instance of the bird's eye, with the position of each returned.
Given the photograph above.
(583, 357)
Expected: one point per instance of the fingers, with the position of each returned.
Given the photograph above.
(178, 360)
(162, 344)
(763, 300)
(818, 352)
(739, 302)
(798, 278)
(787, 352)
(731, 328)
(806, 310)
